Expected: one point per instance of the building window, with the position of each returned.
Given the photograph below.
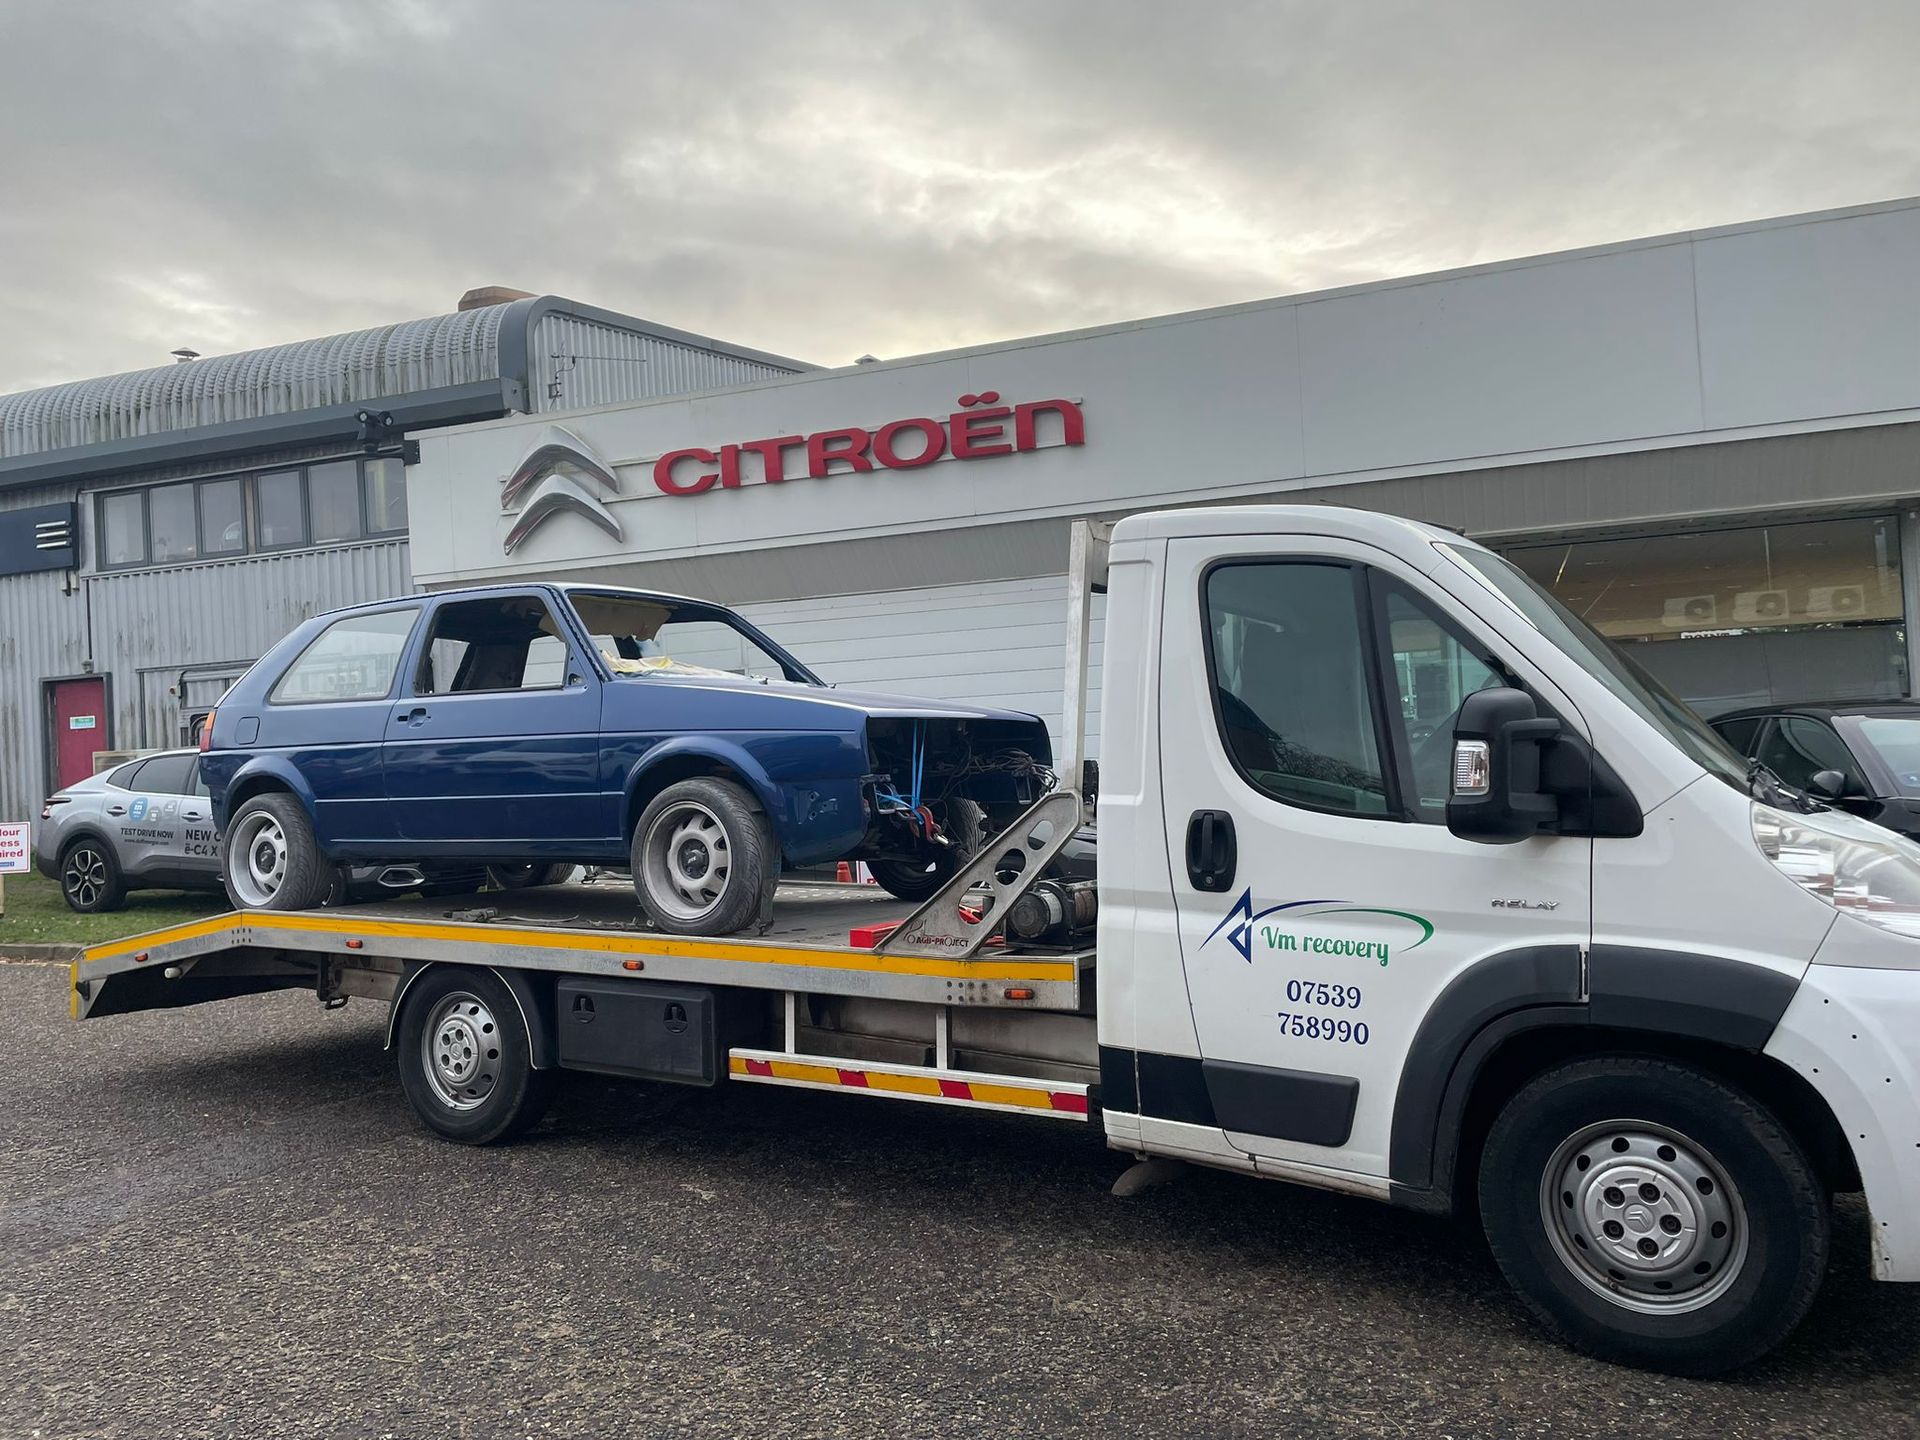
(334, 502)
(386, 490)
(123, 528)
(223, 517)
(1752, 616)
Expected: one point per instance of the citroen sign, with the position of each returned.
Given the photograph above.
(560, 472)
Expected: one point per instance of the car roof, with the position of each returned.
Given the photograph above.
(463, 592)
(1827, 708)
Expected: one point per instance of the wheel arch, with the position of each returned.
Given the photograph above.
(690, 757)
(1513, 1016)
(532, 995)
(265, 776)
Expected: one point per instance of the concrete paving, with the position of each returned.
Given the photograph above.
(224, 1221)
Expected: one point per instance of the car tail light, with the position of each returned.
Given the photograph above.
(206, 730)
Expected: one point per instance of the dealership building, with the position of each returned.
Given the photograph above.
(1706, 443)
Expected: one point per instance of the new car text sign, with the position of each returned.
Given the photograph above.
(16, 848)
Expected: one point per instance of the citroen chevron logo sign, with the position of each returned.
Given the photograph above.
(561, 472)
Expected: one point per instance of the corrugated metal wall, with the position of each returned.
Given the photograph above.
(590, 364)
(998, 642)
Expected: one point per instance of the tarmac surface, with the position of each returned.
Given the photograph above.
(224, 1221)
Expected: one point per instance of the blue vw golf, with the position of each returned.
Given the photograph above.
(530, 728)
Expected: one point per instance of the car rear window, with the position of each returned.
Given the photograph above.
(352, 659)
(162, 775)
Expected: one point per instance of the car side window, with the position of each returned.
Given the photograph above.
(1433, 672)
(163, 775)
(1798, 748)
(354, 658)
(1291, 695)
(500, 643)
(1741, 733)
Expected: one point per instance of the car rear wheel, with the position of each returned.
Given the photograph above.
(270, 860)
(90, 877)
(703, 858)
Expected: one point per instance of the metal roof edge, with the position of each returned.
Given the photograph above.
(451, 404)
(516, 335)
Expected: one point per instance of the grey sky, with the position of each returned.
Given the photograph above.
(828, 179)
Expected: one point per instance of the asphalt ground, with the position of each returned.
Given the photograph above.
(224, 1222)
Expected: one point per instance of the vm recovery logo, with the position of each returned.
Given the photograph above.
(1294, 930)
(561, 472)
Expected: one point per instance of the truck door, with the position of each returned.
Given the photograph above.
(1307, 696)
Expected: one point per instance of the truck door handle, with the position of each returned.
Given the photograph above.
(1213, 853)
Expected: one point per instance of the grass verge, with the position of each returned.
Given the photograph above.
(37, 914)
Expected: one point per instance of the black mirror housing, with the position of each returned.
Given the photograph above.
(1827, 784)
(1497, 796)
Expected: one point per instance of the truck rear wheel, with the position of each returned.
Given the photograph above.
(466, 1060)
(1653, 1214)
(703, 858)
(269, 858)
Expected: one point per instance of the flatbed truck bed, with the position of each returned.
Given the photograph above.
(816, 956)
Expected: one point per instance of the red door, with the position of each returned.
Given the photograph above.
(79, 712)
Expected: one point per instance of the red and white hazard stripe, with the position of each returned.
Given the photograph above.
(912, 1082)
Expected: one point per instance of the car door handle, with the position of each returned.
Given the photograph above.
(116, 809)
(193, 815)
(1213, 852)
(412, 717)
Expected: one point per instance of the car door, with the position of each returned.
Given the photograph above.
(493, 747)
(199, 843)
(148, 820)
(1307, 693)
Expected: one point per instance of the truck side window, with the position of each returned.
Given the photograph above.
(1291, 696)
(1433, 671)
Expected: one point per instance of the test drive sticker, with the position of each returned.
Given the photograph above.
(1295, 932)
(138, 809)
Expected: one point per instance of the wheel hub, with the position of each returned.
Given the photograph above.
(460, 1051)
(687, 857)
(1644, 1216)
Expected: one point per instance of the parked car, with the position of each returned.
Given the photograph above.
(1862, 756)
(144, 825)
(550, 725)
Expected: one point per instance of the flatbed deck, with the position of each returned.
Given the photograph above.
(581, 928)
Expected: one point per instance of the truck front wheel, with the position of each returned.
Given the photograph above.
(466, 1060)
(1653, 1214)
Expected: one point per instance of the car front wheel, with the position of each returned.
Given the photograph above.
(90, 878)
(270, 860)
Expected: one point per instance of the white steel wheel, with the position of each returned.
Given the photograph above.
(1644, 1216)
(688, 857)
(258, 855)
(460, 1051)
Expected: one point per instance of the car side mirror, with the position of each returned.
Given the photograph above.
(1828, 784)
(1497, 796)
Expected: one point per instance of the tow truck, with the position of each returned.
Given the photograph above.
(1410, 886)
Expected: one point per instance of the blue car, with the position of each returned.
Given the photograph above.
(531, 728)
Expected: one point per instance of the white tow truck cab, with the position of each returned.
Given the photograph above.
(1410, 886)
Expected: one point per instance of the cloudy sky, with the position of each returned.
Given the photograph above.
(824, 180)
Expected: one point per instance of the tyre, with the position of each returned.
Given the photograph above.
(526, 877)
(1653, 1214)
(703, 858)
(269, 858)
(964, 823)
(466, 1060)
(90, 877)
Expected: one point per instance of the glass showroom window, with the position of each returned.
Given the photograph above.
(1752, 616)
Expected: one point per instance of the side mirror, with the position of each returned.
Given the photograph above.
(1497, 797)
(1827, 784)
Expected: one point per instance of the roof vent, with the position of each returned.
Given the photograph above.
(492, 295)
(183, 355)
